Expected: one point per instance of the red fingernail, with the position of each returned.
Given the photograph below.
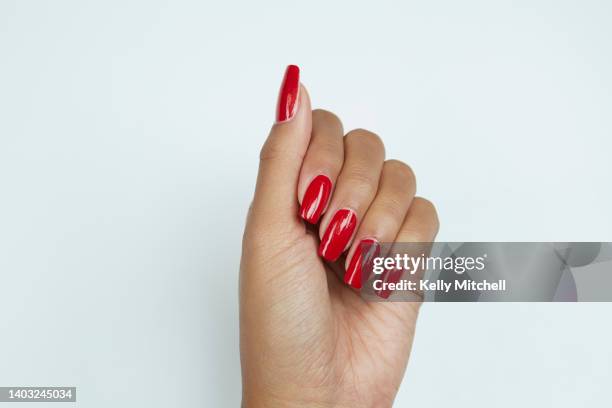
(288, 94)
(361, 262)
(315, 199)
(389, 276)
(338, 234)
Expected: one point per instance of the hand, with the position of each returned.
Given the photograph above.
(306, 337)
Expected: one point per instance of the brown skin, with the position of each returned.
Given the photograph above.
(307, 339)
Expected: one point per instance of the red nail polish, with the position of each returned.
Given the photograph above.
(338, 234)
(288, 94)
(361, 262)
(389, 276)
(315, 199)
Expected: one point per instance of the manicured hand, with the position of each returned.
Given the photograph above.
(306, 336)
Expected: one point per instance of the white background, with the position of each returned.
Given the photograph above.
(129, 136)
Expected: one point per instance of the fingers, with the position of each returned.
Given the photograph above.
(383, 219)
(420, 227)
(356, 187)
(421, 223)
(282, 154)
(321, 165)
(372, 201)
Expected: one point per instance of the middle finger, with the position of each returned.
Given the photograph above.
(364, 154)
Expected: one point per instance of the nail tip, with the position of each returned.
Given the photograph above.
(347, 278)
(338, 234)
(383, 294)
(303, 213)
(353, 284)
(305, 217)
(326, 256)
(312, 221)
(329, 258)
(288, 95)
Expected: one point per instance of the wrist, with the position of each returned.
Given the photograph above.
(257, 398)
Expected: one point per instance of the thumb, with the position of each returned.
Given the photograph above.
(283, 152)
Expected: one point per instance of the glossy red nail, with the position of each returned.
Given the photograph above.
(315, 199)
(360, 265)
(389, 276)
(288, 94)
(338, 234)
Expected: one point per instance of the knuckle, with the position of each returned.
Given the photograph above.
(330, 158)
(416, 234)
(363, 182)
(394, 205)
(329, 149)
(370, 141)
(272, 151)
(400, 169)
(327, 118)
(427, 211)
(425, 205)
(399, 178)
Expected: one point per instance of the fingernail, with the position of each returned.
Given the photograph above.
(288, 94)
(389, 276)
(338, 234)
(315, 199)
(361, 262)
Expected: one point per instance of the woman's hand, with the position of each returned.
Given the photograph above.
(306, 337)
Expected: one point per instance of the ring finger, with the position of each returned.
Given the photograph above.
(383, 219)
